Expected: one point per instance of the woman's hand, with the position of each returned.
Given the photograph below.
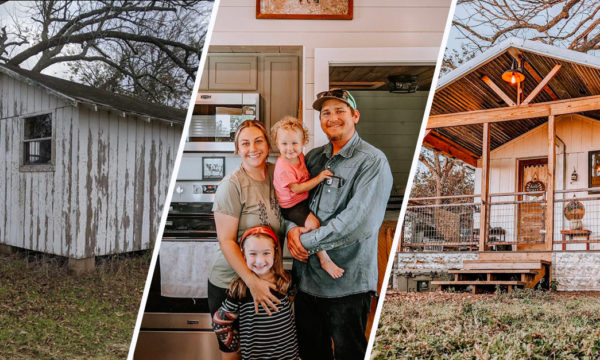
(261, 292)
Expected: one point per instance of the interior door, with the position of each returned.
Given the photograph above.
(530, 216)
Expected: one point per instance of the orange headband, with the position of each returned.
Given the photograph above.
(265, 230)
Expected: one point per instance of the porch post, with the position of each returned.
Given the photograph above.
(550, 181)
(485, 181)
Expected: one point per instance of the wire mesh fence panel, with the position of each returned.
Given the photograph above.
(577, 219)
(441, 224)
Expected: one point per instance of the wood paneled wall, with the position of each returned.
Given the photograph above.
(376, 23)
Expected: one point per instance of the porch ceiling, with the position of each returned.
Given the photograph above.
(468, 92)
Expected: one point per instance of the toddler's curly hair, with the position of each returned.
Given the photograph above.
(289, 123)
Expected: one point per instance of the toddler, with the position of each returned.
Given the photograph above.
(292, 182)
(261, 336)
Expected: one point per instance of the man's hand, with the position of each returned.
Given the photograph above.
(261, 293)
(295, 246)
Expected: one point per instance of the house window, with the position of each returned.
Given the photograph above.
(594, 169)
(37, 140)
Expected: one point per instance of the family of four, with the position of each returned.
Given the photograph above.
(329, 205)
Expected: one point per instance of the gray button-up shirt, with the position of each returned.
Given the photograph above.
(351, 209)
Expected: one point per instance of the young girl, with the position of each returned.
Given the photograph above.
(292, 182)
(262, 334)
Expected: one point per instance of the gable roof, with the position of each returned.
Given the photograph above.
(463, 90)
(79, 93)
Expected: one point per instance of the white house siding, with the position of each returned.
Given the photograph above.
(392, 122)
(376, 23)
(580, 135)
(37, 209)
(124, 165)
(109, 183)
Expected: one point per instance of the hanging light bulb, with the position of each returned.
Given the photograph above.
(514, 75)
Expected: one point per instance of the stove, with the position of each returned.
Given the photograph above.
(177, 322)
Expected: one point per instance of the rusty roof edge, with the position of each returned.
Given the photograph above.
(527, 45)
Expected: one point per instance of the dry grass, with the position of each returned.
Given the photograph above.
(527, 324)
(47, 314)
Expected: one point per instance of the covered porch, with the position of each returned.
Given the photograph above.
(528, 176)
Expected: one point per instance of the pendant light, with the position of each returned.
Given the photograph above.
(514, 75)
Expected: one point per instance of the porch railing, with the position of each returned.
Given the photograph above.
(516, 221)
(441, 224)
(575, 234)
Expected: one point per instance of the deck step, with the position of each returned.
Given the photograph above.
(494, 271)
(481, 282)
(502, 265)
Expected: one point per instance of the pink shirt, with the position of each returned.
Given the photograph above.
(287, 173)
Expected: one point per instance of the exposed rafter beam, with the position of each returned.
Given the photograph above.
(542, 84)
(545, 109)
(448, 147)
(497, 90)
(516, 53)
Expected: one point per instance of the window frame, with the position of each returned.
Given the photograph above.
(22, 141)
(590, 165)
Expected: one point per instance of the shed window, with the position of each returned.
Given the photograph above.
(37, 140)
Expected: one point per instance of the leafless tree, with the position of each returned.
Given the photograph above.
(147, 48)
(441, 176)
(570, 24)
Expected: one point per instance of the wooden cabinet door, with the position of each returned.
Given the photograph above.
(232, 73)
(204, 77)
(280, 88)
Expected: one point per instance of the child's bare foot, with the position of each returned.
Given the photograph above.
(332, 269)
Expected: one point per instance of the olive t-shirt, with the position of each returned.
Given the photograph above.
(254, 203)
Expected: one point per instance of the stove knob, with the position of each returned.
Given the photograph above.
(179, 189)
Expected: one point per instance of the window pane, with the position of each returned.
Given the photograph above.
(38, 127)
(37, 152)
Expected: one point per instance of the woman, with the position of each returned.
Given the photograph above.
(244, 199)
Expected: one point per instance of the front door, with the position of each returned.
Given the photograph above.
(530, 215)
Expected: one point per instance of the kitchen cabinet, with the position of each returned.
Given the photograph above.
(275, 76)
(232, 73)
(280, 87)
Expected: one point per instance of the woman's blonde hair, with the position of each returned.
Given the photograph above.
(289, 123)
(247, 124)
(238, 289)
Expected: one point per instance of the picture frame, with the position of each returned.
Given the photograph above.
(213, 167)
(594, 170)
(305, 9)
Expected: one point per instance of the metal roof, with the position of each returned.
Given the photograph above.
(78, 93)
(463, 89)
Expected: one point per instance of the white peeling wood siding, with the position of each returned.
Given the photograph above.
(125, 164)
(36, 208)
(109, 182)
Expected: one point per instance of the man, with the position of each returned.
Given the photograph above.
(350, 206)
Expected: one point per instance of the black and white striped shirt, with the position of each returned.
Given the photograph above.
(263, 336)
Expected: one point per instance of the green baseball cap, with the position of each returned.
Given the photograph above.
(334, 94)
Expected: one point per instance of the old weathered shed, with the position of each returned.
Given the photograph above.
(83, 172)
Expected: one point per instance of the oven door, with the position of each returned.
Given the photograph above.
(177, 336)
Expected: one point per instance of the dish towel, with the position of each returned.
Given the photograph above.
(184, 268)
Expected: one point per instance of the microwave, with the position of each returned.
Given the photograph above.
(215, 118)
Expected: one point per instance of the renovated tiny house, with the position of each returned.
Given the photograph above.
(535, 214)
(83, 172)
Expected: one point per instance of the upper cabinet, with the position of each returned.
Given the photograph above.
(232, 73)
(275, 76)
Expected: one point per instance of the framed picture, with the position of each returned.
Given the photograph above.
(305, 9)
(594, 170)
(213, 167)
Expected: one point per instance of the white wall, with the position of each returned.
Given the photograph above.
(376, 24)
(580, 135)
